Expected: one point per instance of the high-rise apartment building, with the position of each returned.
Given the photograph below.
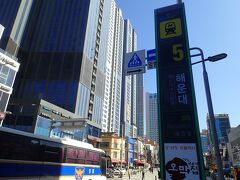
(222, 124)
(113, 70)
(152, 131)
(133, 128)
(62, 49)
(140, 105)
(130, 91)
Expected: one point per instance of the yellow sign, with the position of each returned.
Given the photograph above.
(170, 28)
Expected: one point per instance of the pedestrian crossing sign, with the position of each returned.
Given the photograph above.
(134, 62)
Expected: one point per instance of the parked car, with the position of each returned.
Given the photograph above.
(116, 172)
(123, 171)
(119, 171)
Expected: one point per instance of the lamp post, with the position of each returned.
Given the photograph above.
(213, 130)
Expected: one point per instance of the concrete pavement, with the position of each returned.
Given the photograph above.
(138, 176)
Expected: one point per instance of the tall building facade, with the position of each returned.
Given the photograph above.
(71, 55)
(13, 16)
(129, 83)
(62, 49)
(222, 124)
(152, 131)
(140, 106)
(204, 141)
(113, 70)
(8, 69)
(234, 146)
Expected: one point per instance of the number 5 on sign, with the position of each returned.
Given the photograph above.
(177, 52)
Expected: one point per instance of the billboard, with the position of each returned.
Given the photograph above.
(178, 124)
(181, 161)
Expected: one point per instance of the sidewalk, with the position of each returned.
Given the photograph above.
(148, 176)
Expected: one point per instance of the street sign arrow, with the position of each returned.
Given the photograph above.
(134, 71)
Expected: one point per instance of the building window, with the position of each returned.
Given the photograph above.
(104, 144)
(114, 154)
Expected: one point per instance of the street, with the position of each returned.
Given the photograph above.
(138, 176)
(148, 176)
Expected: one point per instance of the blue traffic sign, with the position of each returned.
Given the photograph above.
(151, 55)
(135, 61)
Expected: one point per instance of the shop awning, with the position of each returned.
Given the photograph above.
(123, 161)
(139, 162)
(115, 160)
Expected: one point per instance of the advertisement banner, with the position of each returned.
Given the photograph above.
(181, 161)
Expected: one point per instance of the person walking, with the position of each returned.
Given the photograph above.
(129, 174)
(143, 174)
(236, 174)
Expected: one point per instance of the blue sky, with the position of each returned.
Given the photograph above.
(214, 26)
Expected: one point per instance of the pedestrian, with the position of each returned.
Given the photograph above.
(143, 174)
(236, 174)
(129, 174)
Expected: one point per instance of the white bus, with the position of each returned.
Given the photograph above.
(29, 156)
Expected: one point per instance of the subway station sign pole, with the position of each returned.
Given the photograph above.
(180, 147)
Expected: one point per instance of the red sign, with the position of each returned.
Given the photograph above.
(93, 138)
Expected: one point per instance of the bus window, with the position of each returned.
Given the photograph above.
(74, 155)
(19, 147)
(89, 157)
(52, 152)
(92, 158)
(81, 154)
(71, 153)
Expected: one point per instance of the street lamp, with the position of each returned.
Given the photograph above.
(213, 130)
